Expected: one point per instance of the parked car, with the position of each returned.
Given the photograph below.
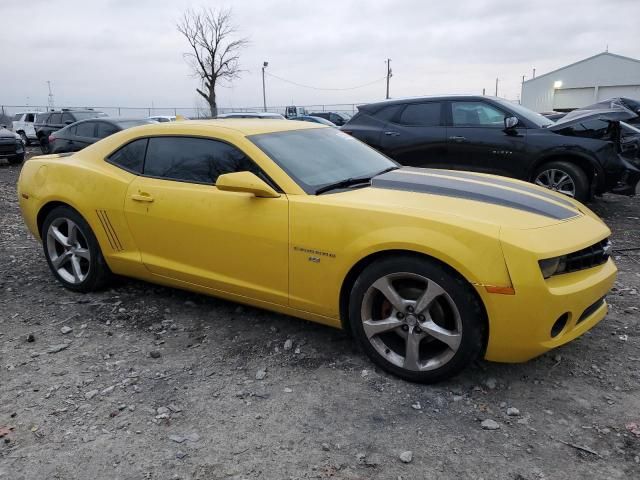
(492, 135)
(23, 124)
(79, 135)
(338, 118)
(429, 270)
(294, 111)
(312, 119)
(273, 116)
(52, 121)
(163, 118)
(11, 146)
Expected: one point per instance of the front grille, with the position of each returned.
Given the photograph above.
(11, 148)
(592, 256)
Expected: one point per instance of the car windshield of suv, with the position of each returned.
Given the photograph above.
(318, 157)
(540, 121)
(85, 115)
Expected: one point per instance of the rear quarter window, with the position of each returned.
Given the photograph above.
(130, 157)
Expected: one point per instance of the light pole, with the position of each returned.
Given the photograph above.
(389, 75)
(264, 92)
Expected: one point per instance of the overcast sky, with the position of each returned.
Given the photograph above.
(129, 53)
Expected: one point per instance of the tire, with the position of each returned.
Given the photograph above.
(25, 139)
(16, 160)
(45, 148)
(78, 264)
(391, 335)
(564, 177)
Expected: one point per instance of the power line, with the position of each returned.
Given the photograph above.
(320, 88)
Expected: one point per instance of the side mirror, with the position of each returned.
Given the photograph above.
(245, 182)
(510, 122)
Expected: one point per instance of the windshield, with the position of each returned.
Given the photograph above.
(539, 120)
(321, 156)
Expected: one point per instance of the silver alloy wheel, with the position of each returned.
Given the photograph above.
(557, 180)
(68, 250)
(411, 321)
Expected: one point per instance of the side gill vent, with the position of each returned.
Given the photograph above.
(114, 241)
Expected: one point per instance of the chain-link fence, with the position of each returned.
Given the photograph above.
(7, 112)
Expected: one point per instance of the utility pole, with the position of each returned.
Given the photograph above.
(523, 78)
(50, 96)
(534, 73)
(483, 92)
(389, 75)
(496, 86)
(264, 92)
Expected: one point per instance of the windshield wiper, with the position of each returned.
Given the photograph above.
(352, 181)
(347, 182)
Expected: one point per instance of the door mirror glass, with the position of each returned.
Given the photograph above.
(246, 182)
(510, 122)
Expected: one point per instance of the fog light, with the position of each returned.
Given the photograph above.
(559, 325)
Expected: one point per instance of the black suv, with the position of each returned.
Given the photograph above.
(338, 118)
(48, 122)
(493, 135)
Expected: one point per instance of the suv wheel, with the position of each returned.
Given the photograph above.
(416, 319)
(564, 177)
(25, 139)
(72, 251)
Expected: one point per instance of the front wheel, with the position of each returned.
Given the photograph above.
(416, 319)
(72, 251)
(564, 177)
(25, 139)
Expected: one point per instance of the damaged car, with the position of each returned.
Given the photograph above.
(579, 156)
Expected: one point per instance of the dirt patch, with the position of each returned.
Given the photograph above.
(146, 382)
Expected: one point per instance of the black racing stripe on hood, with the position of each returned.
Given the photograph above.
(525, 187)
(399, 180)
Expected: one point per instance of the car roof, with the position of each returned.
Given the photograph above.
(244, 126)
(395, 101)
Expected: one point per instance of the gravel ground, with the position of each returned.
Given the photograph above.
(145, 382)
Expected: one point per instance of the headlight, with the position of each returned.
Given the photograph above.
(553, 266)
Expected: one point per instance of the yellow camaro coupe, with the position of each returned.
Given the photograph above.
(429, 269)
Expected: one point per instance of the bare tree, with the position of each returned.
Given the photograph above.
(214, 52)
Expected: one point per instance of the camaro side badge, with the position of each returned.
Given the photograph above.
(315, 255)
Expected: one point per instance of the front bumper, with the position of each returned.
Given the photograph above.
(622, 181)
(525, 325)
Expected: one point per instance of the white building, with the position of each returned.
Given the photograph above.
(588, 81)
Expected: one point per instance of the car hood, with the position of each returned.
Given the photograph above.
(614, 114)
(475, 197)
(4, 133)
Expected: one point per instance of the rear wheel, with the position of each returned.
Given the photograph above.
(72, 251)
(564, 177)
(416, 319)
(24, 137)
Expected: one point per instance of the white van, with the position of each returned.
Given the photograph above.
(23, 125)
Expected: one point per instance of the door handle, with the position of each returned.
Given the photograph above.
(142, 197)
(392, 134)
(458, 139)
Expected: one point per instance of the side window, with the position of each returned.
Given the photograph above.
(476, 114)
(131, 156)
(421, 114)
(385, 114)
(55, 118)
(105, 129)
(67, 117)
(29, 117)
(86, 129)
(42, 118)
(71, 130)
(195, 160)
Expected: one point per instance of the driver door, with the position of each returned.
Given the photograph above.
(186, 229)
